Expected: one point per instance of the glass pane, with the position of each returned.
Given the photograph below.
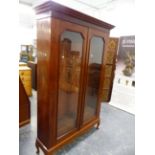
(69, 78)
(94, 69)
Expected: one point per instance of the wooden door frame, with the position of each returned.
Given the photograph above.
(105, 36)
(66, 26)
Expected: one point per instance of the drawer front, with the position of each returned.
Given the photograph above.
(27, 83)
(24, 72)
(25, 78)
(28, 90)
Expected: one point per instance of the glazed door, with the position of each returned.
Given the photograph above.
(94, 71)
(72, 43)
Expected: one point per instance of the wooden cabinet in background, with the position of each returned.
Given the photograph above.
(71, 59)
(24, 106)
(22, 64)
(33, 67)
(25, 75)
(109, 69)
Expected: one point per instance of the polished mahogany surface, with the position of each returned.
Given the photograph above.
(71, 59)
(56, 8)
(43, 76)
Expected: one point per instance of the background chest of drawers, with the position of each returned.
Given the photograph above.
(22, 64)
(25, 75)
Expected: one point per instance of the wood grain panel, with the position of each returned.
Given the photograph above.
(43, 72)
(109, 69)
(24, 106)
(62, 86)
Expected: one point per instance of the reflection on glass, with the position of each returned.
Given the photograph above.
(69, 76)
(94, 69)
